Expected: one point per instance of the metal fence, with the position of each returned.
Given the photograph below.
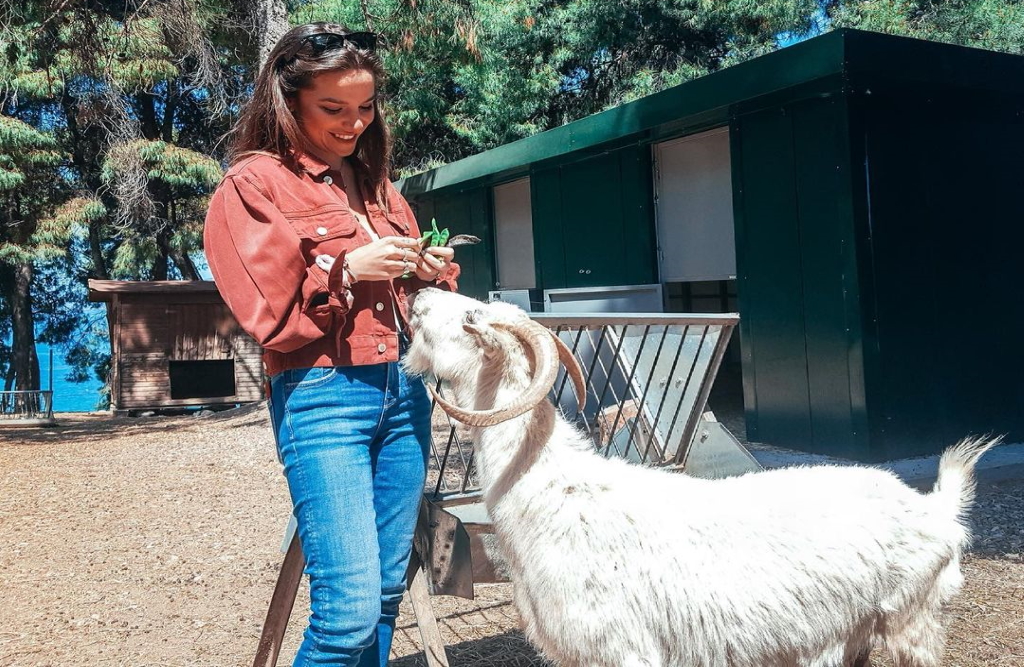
(26, 405)
(647, 376)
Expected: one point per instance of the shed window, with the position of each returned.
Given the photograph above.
(513, 231)
(202, 379)
(694, 208)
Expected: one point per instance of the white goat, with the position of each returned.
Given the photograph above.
(617, 565)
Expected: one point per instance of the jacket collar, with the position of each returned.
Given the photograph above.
(310, 163)
(316, 167)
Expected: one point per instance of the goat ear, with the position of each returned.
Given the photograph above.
(483, 334)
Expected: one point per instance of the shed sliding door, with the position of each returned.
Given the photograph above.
(693, 195)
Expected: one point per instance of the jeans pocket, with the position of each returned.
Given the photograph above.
(308, 378)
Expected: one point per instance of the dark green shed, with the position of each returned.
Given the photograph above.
(858, 198)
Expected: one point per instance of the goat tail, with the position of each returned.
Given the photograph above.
(956, 483)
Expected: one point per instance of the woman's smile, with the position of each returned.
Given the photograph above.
(334, 111)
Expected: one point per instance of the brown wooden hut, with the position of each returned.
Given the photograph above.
(175, 344)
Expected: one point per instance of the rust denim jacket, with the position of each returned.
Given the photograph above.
(268, 221)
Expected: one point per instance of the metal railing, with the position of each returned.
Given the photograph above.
(648, 377)
(26, 405)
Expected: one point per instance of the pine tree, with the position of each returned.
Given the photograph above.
(29, 181)
(135, 96)
(997, 25)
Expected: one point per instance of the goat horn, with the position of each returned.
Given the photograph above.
(572, 367)
(538, 339)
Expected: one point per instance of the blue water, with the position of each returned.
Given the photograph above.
(67, 396)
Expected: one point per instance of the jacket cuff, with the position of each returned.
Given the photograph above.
(315, 299)
(450, 282)
(339, 291)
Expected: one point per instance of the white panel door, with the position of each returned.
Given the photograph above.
(513, 235)
(694, 208)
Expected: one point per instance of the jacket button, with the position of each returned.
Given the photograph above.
(379, 306)
(328, 180)
(322, 231)
(382, 348)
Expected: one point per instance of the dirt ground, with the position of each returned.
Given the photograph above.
(155, 542)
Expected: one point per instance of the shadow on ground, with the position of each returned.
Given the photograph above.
(505, 650)
(87, 427)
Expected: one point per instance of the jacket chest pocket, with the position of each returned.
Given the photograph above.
(399, 226)
(318, 226)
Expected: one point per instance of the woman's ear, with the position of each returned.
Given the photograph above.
(292, 100)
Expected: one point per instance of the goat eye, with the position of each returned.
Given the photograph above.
(472, 316)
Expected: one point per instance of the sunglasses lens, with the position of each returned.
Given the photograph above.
(325, 41)
(362, 40)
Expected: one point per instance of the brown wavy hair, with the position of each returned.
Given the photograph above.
(267, 124)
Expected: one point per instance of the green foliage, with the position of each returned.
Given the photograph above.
(989, 24)
(21, 138)
(18, 71)
(132, 258)
(181, 169)
(24, 151)
(110, 113)
(72, 217)
(27, 184)
(580, 57)
(137, 57)
(345, 12)
(470, 75)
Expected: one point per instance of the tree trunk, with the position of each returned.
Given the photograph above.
(98, 268)
(170, 107)
(145, 105)
(161, 264)
(185, 265)
(85, 164)
(17, 281)
(271, 19)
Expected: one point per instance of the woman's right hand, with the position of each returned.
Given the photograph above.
(383, 259)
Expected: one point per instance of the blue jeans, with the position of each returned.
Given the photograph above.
(354, 442)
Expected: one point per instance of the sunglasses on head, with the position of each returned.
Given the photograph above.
(326, 41)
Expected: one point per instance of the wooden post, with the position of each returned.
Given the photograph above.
(281, 604)
(287, 587)
(114, 326)
(430, 634)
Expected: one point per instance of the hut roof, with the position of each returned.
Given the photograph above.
(103, 290)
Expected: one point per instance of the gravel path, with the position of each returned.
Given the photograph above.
(154, 541)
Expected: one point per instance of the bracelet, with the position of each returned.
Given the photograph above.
(348, 272)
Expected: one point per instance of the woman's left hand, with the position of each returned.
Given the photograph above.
(434, 263)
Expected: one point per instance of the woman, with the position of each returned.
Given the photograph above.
(315, 253)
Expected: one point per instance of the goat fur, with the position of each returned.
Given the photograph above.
(618, 565)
